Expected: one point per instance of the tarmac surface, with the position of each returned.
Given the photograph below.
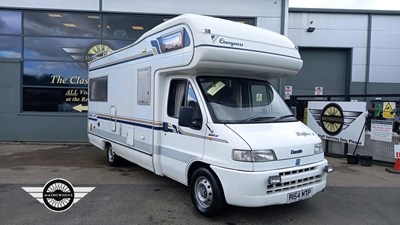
(130, 194)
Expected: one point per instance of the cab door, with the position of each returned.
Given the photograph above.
(181, 145)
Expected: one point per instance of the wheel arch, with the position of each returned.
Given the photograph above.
(199, 164)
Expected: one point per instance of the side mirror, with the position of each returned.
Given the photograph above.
(186, 116)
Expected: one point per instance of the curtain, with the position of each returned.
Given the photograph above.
(179, 95)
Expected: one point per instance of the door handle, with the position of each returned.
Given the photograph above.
(165, 127)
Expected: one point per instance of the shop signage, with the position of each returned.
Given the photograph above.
(77, 99)
(381, 130)
(337, 121)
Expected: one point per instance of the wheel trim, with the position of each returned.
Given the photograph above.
(203, 192)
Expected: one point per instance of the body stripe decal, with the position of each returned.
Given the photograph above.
(244, 49)
(150, 125)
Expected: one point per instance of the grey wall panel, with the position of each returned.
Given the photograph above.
(385, 39)
(22, 127)
(9, 87)
(358, 68)
(374, 88)
(252, 8)
(328, 38)
(322, 21)
(333, 31)
(385, 49)
(383, 88)
(357, 88)
(385, 56)
(322, 67)
(385, 23)
(87, 5)
(385, 74)
(358, 73)
(273, 24)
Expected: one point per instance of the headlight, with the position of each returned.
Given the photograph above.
(253, 156)
(318, 148)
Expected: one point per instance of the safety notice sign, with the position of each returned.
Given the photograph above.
(388, 110)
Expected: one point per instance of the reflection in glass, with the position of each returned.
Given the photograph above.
(129, 27)
(64, 49)
(54, 99)
(54, 74)
(62, 24)
(10, 47)
(10, 22)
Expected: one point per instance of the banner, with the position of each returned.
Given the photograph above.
(338, 121)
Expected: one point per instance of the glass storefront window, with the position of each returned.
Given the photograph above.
(61, 74)
(10, 22)
(129, 27)
(57, 46)
(55, 99)
(117, 44)
(62, 49)
(10, 47)
(62, 24)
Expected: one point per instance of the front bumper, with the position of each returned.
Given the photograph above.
(251, 189)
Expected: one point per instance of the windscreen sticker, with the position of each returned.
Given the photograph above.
(215, 87)
(259, 97)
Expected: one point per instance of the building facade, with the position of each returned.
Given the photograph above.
(346, 51)
(45, 47)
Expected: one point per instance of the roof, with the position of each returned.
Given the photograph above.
(344, 11)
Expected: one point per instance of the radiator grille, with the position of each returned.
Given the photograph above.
(294, 183)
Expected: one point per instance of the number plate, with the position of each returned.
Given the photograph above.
(299, 195)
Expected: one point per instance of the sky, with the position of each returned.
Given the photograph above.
(347, 4)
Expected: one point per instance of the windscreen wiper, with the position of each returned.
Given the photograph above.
(282, 117)
(258, 119)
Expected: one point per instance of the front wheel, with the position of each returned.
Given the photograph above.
(112, 158)
(206, 193)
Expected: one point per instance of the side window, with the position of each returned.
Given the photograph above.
(98, 89)
(181, 93)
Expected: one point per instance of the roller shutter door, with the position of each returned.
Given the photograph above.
(323, 67)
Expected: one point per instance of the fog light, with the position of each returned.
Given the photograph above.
(274, 179)
(328, 169)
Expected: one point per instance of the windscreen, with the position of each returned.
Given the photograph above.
(236, 100)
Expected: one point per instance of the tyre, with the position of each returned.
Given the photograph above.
(206, 192)
(112, 158)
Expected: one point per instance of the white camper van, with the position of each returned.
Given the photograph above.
(191, 100)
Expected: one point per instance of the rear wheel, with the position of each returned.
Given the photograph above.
(206, 193)
(112, 158)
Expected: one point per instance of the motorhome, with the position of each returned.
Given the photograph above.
(191, 100)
